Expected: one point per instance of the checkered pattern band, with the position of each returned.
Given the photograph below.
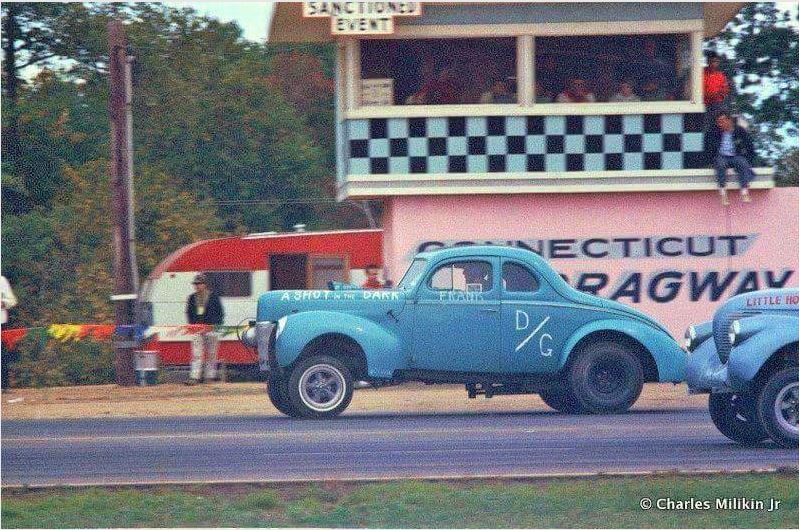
(497, 144)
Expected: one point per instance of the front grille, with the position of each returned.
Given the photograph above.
(721, 332)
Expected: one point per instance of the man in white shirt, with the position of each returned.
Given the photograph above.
(7, 300)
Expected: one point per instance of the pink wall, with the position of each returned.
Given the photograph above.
(753, 245)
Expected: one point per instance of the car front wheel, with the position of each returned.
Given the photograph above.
(778, 407)
(734, 415)
(605, 378)
(320, 387)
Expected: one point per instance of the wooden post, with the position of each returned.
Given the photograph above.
(125, 287)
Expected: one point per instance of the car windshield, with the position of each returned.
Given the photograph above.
(412, 275)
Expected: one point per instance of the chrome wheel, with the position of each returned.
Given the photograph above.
(786, 408)
(322, 387)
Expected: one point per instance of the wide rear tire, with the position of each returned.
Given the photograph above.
(605, 378)
(560, 399)
(320, 387)
(778, 407)
(735, 416)
(277, 390)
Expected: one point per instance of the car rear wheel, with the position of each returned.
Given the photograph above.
(561, 399)
(320, 387)
(605, 378)
(734, 415)
(277, 390)
(778, 407)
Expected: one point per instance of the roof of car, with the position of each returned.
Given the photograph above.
(480, 250)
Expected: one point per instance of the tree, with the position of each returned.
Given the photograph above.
(763, 44)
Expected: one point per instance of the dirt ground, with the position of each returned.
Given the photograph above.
(250, 399)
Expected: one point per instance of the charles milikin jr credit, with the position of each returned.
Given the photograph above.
(739, 504)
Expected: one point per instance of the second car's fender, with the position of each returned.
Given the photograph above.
(669, 357)
(382, 347)
(763, 335)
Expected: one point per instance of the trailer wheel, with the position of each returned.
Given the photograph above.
(605, 378)
(778, 407)
(561, 399)
(276, 389)
(320, 387)
(734, 415)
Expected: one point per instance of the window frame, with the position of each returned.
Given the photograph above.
(429, 281)
(525, 35)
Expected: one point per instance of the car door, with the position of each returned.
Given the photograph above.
(532, 322)
(457, 317)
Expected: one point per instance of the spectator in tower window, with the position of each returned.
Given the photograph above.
(498, 93)
(204, 307)
(651, 90)
(372, 280)
(441, 90)
(729, 145)
(715, 84)
(576, 91)
(625, 94)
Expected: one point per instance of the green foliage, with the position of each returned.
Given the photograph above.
(48, 363)
(787, 170)
(762, 45)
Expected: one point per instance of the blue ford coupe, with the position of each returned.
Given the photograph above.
(747, 359)
(499, 320)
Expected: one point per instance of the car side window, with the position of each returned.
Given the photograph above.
(518, 279)
(467, 276)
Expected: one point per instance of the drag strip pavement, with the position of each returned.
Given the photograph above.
(112, 451)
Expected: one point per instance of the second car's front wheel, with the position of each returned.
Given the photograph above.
(320, 387)
(778, 407)
(605, 378)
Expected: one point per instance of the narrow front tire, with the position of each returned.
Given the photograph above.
(320, 387)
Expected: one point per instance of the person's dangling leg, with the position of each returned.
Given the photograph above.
(745, 176)
(721, 163)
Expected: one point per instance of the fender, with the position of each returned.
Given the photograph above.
(769, 334)
(380, 345)
(669, 357)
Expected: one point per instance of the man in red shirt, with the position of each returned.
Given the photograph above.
(716, 87)
(372, 282)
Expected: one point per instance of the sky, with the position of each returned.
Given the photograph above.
(252, 17)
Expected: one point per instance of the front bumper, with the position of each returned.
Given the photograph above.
(705, 372)
(265, 343)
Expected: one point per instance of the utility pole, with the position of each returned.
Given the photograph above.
(121, 167)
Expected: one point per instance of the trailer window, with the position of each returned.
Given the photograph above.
(325, 270)
(230, 283)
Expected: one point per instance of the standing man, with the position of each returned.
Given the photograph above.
(729, 145)
(8, 300)
(204, 307)
(716, 86)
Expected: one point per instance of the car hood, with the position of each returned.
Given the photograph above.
(276, 304)
(603, 303)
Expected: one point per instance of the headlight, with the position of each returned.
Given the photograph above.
(690, 337)
(248, 337)
(281, 323)
(735, 330)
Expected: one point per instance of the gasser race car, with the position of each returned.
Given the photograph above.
(747, 358)
(499, 320)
